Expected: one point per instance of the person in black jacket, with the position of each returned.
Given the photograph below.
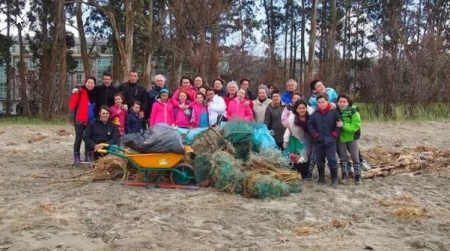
(100, 130)
(324, 126)
(134, 123)
(133, 91)
(104, 93)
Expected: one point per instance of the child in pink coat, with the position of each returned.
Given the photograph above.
(119, 113)
(200, 116)
(237, 109)
(162, 109)
(183, 110)
(185, 86)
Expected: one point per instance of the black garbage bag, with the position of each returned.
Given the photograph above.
(159, 138)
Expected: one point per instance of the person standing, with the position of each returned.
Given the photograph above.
(324, 126)
(135, 124)
(245, 84)
(119, 113)
(81, 111)
(291, 86)
(105, 92)
(133, 91)
(273, 118)
(218, 87)
(153, 93)
(260, 104)
(216, 106)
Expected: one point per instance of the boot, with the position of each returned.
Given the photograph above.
(312, 164)
(88, 157)
(344, 169)
(357, 174)
(310, 170)
(303, 169)
(321, 170)
(334, 177)
(76, 157)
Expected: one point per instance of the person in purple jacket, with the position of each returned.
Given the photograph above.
(324, 126)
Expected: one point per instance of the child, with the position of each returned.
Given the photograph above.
(297, 139)
(200, 112)
(317, 87)
(238, 109)
(324, 126)
(182, 111)
(288, 109)
(348, 141)
(134, 123)
(162, 109)
(119, 113)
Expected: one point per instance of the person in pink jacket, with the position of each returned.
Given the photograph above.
(182, 110)
(237, 109)
(119, 113)
(162, 109)
(200, 114)
(288, 109)
(186, 86)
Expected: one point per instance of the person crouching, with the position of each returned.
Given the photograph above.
(100, 130)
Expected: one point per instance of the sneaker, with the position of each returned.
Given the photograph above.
(364, 165)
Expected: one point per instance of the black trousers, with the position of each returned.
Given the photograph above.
(79, 132)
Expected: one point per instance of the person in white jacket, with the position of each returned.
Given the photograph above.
(298, 140)
(216, 106)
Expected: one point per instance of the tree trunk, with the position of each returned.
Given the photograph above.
(312, 40)
(23, 81)
(214, 71)
(83, 45)
(8, 65)
(332, 36)
(63, 54)
(303, 75)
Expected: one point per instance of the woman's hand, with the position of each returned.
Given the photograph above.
(285, 144)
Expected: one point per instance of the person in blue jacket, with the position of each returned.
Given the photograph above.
(317, 87)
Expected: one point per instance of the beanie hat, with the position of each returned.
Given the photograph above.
(164, 90)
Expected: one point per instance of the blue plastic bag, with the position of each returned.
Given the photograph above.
(189, 135)
(262, 137)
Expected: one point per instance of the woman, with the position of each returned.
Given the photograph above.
(298, 140)
(198, 82)
(185, 86)
(232, 89)
(273, 118)
(81, 111)
(271, 88)
(260, 104)
(238, 109)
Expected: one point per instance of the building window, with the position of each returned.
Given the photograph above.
(79, 65)
(79, 79)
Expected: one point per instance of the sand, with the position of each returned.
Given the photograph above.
(41, 209)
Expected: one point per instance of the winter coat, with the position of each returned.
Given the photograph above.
(332, 97)
(200, 116)
(259, 109)
(104, 95)
(191, 95)
(228, 99)
(352, 124)
(273, 121)
(134, 124)
(118, 117)
(98, 132)
(162, 113)
(81, 110)
(182, 117)
(298, 129)
(322, 126)
(286, 97)
(153, 95)
(216, 107)
(135, 92)
(237, 109)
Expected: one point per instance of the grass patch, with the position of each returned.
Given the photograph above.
(23, 120)
(410, 212)
(403, 112)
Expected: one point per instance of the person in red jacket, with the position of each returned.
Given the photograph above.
(81, 111)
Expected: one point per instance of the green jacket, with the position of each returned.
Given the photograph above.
(352, 124)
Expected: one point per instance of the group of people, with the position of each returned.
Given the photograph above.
(311, 131)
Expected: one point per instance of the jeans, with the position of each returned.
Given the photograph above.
(328, 151)
(79, 132)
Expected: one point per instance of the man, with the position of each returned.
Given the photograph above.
(104, 93)
(218, 87)
(245, 84)
(216, 106)
(133, 91)
(160, 83)
(291, 86)
(100, 130)
(198, 82)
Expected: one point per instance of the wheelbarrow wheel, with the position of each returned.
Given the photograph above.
(183, 175)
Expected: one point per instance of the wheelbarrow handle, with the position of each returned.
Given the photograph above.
(104, 145)
(102, 151)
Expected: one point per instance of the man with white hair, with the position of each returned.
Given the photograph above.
(291, 86)
(160, 83)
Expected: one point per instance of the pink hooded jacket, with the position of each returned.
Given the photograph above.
(199, 110)
(118, 117)
(182, 117)
(238, 110)
(161, 113)
(191, 95)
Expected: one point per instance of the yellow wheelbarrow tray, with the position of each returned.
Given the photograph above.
(181, 173)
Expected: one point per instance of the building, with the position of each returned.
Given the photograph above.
(100, 62)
